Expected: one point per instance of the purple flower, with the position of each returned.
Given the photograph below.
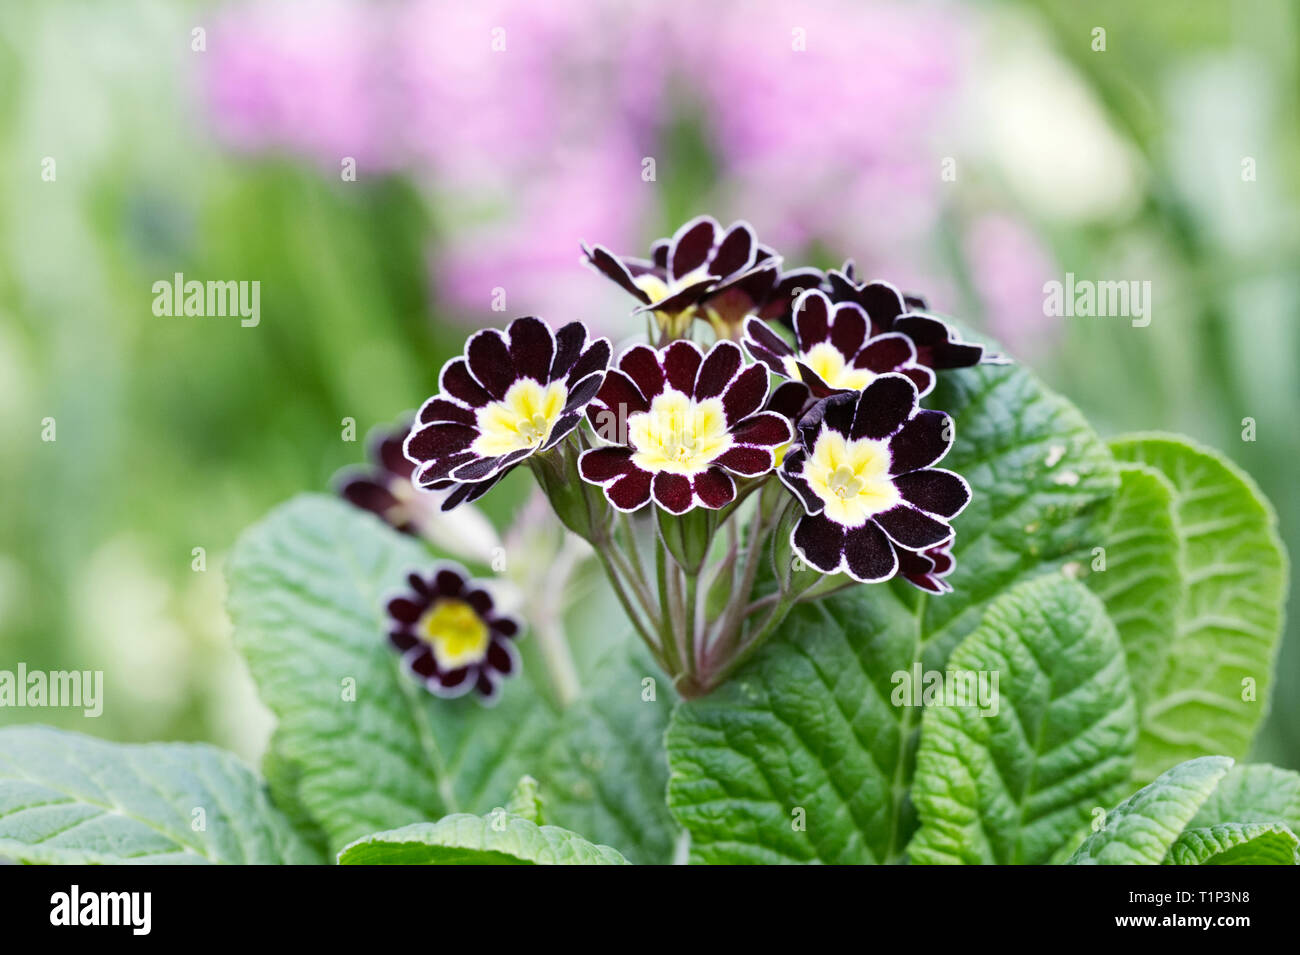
(928, 568)
(686, 422)
(862, 470)
(938, 346)
(510, 396)
(450, 635)
(705, 272)
(384, 486)
(835, 349)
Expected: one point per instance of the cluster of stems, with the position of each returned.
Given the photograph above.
(703, 589)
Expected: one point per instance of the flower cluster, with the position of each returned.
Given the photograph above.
(832, 473)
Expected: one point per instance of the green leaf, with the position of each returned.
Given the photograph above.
(71, 799)
(1258, 793)
(1141, 583)
(526, 801)
(806, 729)
(1141, 829)
(1253, 843)
(462, 839)
(1011, 782)
(371, 750)
(1234, 583)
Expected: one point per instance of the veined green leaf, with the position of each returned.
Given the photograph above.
(367, 749)
(462, 839)
(72, 799)
(1142, 829)
(1214, 683)
(1251, 843)
(1141, 583)
(1010, 783)
(802, 757)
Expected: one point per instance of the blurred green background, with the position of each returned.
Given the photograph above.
(175, 433)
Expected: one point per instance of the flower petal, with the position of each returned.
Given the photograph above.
(489, 361)
(673, 492)
(735, 252)
(641, 364)
(869, 555)
(681, 363)
(457, 381)
(848, 329)
(594, 359)
(884, 405)
(609, 265)
(920, 442)
(532, 347)
(888, 352)
(765, 428)
(719, 367)
(913, 528)
(438, 409)
(570, 340)
(935, 343)
(935, 490)
(601, 465)
(630, 491)
(692, 245)
(819, 541)
(746, 461)
(812, 319)
(620, 395)
(745, 394)
(434, 441)
(791, 475)
(714, 488)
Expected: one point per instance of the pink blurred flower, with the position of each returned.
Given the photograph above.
(1008, 265)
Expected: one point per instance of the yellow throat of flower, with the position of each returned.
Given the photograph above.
(455, 632)
(829, 364)
(851, 477)
(678, 434)
(522, 419)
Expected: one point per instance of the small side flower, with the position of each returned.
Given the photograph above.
(835, 349)
(450, 636)
(928, 568)
(509, 396)
(862, 471)
(383, 486)
(938, 345)
(683, 423)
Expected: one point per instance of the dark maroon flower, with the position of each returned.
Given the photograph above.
(684, 422)
(450, 635)
(938, 346)
(862, 470)
(704, 272)
(383, 487)
(927, 568)
(834, 349)
(510, 396)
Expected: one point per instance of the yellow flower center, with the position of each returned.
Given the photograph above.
(675, 323)
(522, 419)
(851, 477)
(455, 632)
(829, 364)
(678, 434)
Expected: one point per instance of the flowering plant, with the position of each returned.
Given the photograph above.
(908, 605)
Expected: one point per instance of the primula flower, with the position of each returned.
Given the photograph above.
(938, 346)
(450, 636)
(835, 350)
(686, 422)
(699, 265)
(862, 472)
(927, 568)
(384, 487)
(510, 396)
